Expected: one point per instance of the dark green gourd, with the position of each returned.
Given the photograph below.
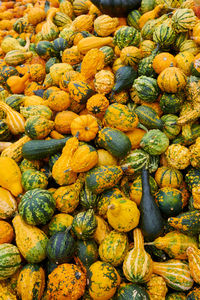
(151, 221)
(124, 79)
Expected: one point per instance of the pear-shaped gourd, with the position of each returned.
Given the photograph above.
(123, 214)
(17, 84)
(15, 120)
(176, 274)
(49, 30)
(30, 240)
(8, 204)
(175, 244)
(156, 287)
(10, 176)
(193, 254)
(151, 221)
(10, 43)
(138, 265)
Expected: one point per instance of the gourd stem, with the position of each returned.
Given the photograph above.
(138, 239)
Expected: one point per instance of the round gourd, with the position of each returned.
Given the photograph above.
(5, 133)
(66, 281)
(33, 179)
(170, 128)
(145, 66)
(171, 103)
(169, 201)
(37, 127)
(59, 222)
(131, 291)
(15, 101)
(97, 104)
(45, 49)
(135, 137)
(84, 225)
(113, 248)
(10, 260)
(6, 232)
(105, 158)
(136, 189)
(130, 56)
(192, 178)
(149, 117)
(87, 252)
(147, 88)
(60, 44)
(104, 25)
(162, 61)
(178, 156)
(37, 206)
(120, 117)
(88, 199)
(168, 177)
(164, 34)
(171, 80)
(155, 142)
(147, 46)
(133, 18)
(108, 54)
(61, 247)
(183, 19)
(135, 161)
(126, 36)
(103, 280)
(85, 126)
(177, 296)
(184, 60)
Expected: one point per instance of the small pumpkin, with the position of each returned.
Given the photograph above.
(171, 80)
(10, 260)
(63, 121)
(59, 222)
(97, 105)
(32, 179)
(162, 61)
(84, 224)
(85, 126)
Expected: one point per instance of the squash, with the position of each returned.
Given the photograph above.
(10, 43)
(33, 110)
(88, 43)
(92, 62)
(130, 56)
(17, 84)
(170, 128)
(148, 117)
(118, 209)
(183, 19)
(193, 294)
(176, 274)
(131, 291)
(101, 231)
(193, 259)
(6, 232)
(156, 287)
(103, 280)
(138, 265)
(172, 80)
(63, 121)
(147, 88)
(85, 126)
(59, 101)
(97, 104)
(104, 25)
(6, 72)
(113, 248)
(67, 280)
(162, 61)
(30, 240)
(171, 103)
(49, 30)
(150, 15)
(5, 134)
(84, 224)
(15, 101)
(17, 57)
(155, 142)
(126, 36)
(164, 34)
(88, 199)
(14, 119)
(45, 49)
(59, 222)
(10, 260)
(102, 178)
(84, 159)
(71, 56)
(8, 205)
(184, 60)
(168, 177)
(104, 82)
(37, 127)
(82, 22)
(61, 247)
(146, 47)
(80, 91)
(124, 78)
(31, 282)
(87, 252)
(108, 54)
(69, 76)
(187, 222)
(134, 161)
(133, 18)
(178, 156)
(36, 15)
(105, 158)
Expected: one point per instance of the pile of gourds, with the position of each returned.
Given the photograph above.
(99, 150)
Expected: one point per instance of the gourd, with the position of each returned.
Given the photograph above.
(192, 178)
(30, 240)
(151, 222)
(102, 178)
(37, 127)
(17, 57)
(101, 231)
(156, 287)
(150, 15)
(5, 134)
(164, 34)
(59, 222)
(147, 88)
(194, 294)
(87, 252)
(97, 104)
(61, 247)
(178, 156)
(10, 260)
(148, 117)
(171, 80)
(31, 282)
(63, 121)
(133, 18)
(17, 84)
(184, 60)
(113, 248)
(80, 7)
(85, 127)
(49, 30)
(15, 101)
(176, 274)
(193, 255)
(170, 129)
(32, 179)
(124, 78)
(162, 61)
(175, 244)
(6, 72)
(33, 110)
(57, 70)
(37, 206)
(123, 214)
(6, 232)
(92, 62)
(126, 36)
(10, 180)
(84, 159)
(80, 91)
(134, 161)
(146, 47)
(71, 56)
(8, 44)
(128, 290)
(84, 224)
(130, 56)
(36, 15)
(168, 177)
(14, 119)
(59, 101)
(103, 280)
(104, 25)
(67, 197)
(83, 22)
(187, 222)
(184, 19)
(155, 142)
(138, 265)
(67, 280)
(45, 49)
(104, 82)
(120, 117)
(88, 43)
(8, 205)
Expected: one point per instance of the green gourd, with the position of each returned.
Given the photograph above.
(124, 78)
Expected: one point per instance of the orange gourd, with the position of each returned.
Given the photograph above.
(85, 127)
(17, 84)
(6, 232)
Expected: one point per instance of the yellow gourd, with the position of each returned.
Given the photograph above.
(14, 119)
(193, 254)
(157, 288)
(10, 176)
(101, 231)
(150, 15)
(8, 204)
(123, 214)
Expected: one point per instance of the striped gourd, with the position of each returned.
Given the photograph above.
(80, 7)
(31, 282)
(17, 57)
(176, 274)
(135, 161)
(189, 46)
(37, 127)
(168, 177)
(3, 94)
(87, 252)
(147, 88)
(14, 119)
(170, 128)
(114, 248)
(84, 224)
(175, 244)
(146, 47)
(88, 199)
(187, 222)
(183, 19)
(126, 36)
(61, 19)
(145, 66)
(5, 134)
(59, 222)
(176, 296)
(193, 254)
(130, 56)
(14, 151)
(30, 240)
(15, 101)
(131, 291)
(133, 18)
(39, 110)
(180, 38)
(10, 260)
(109, 54)
(171, 103)
(149, 117)
(37, 206)
(8, 205)
(32, 179)
(138, 265)
(164, 34)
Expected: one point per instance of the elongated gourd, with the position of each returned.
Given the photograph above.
(175, 244)
(14, 119)
(176, 274)
(138, 265)
(8, 204)
(10, 176)
(187, 222)
(89, 43)
(30, 240)
(193, 254)
(17, 84)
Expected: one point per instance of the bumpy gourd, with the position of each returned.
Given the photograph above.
(193, 255)
(156, 287)
(84, 159)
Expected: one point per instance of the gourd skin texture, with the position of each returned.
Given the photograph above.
(10, 260)
(154, 142)
(193, 254)
(8, 204)
(59, 222)
(156, 287)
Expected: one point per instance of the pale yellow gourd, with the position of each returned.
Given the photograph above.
(8, 204)
(10, 43)
(101, 231)
(57, 70)
(10, 176)
(123, 214)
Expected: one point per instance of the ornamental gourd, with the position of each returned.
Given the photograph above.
(80, 91)
(138, 265)
(126, 36)
(187, 222)
(37, 128)
(156, 287)
(171, 80)
(84, 224)
(104, 25)
(130, 56)
(59, 222)
(168, 177)
(10, 260)
(193, 255)
(155, 142)
(6, 232)
(184, 19)
(97, 104)
(32, 179)
(130, 290)
(147, 88)
(14, 120)
(178, 156)
(84, 159)
(87, 252)
(104, 82)
(164, 34)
